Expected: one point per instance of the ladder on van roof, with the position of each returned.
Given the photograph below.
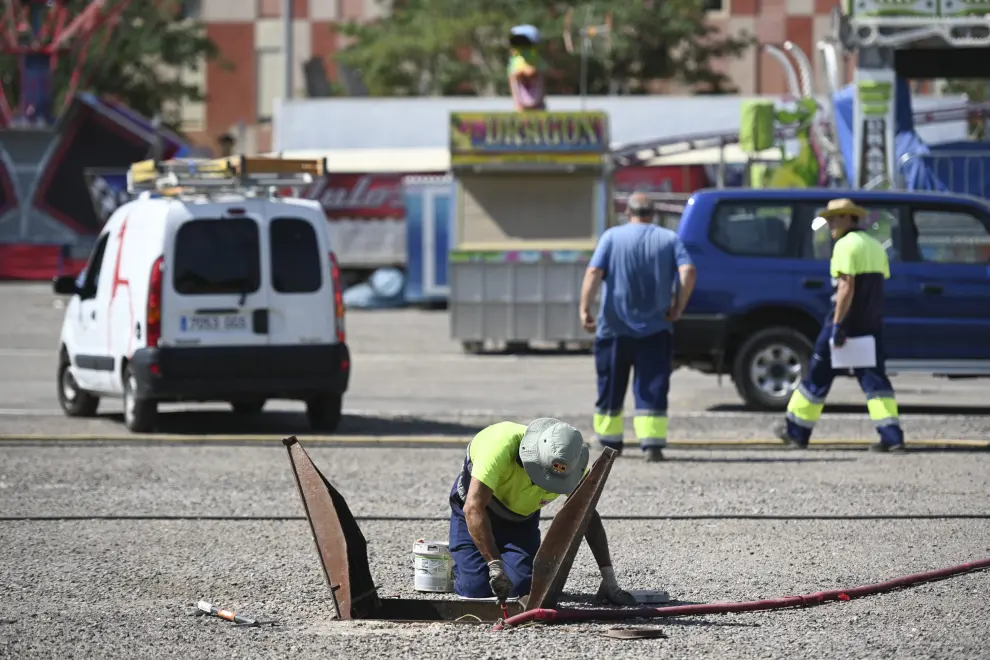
(232, 174)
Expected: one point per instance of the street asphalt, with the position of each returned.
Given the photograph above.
(106, 546)
(409, 380)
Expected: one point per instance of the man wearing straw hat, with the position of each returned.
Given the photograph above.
(859, 267)
(511, 471)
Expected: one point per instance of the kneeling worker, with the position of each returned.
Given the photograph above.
(511, 472)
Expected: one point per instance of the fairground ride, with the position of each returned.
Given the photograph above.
(39, 34)
(64, 152)
(863, 132)
(893, 41)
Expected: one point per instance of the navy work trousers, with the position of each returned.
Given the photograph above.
(650, 360)
(808, 400)
(517, 542)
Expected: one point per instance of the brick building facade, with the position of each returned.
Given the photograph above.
(249, 34)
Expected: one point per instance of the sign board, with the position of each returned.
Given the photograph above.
(362, 196)
(565, 138)
(874, 118)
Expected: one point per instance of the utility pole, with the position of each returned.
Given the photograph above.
(588, 33)
(287, 47)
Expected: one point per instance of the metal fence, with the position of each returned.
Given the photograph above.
(961, 172)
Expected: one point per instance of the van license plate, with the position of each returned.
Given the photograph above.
(213, 323)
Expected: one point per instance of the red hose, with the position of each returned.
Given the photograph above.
(567, 615)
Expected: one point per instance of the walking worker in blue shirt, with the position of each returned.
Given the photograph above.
(648, 278)
(859, 267)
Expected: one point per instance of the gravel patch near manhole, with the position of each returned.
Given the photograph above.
(439, 420)
(121, 590)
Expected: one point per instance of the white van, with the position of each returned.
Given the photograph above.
(208, 293)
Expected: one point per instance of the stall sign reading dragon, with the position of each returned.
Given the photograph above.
(557, 133)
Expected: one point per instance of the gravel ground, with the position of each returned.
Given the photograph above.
(95, 585)
(257, 481)
(121, 588)
(289, 419)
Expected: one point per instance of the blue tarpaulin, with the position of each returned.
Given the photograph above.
(961, 167)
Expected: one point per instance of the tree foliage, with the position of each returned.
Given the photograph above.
(459, 47)
(137, 61)
(977, 91)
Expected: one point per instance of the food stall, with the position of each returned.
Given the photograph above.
(531, 195)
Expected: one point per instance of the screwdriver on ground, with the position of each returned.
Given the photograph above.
(213, 610)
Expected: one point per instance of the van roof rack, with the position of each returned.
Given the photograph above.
(230, 174)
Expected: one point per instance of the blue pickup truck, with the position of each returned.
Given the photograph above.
(764, 289)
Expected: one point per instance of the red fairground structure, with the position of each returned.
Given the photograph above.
(40, 33)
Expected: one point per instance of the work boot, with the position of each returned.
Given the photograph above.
(780, 432)
(884, 448)
(654, 454)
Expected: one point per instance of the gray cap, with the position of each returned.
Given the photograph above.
(554, 455)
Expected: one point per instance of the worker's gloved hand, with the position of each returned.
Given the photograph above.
(838, 336)
(499, 581)
(611, 591)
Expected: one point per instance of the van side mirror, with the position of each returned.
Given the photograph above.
(65, 285)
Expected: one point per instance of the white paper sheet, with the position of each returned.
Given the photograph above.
(857, 352)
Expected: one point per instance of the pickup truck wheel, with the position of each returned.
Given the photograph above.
(139, 415)
(73, 401)
(324, 412)
(769, 366)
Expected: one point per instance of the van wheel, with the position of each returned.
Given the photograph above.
(248, 406)
(139, 415)
(325, 411)
(73, 401)
(769, 366)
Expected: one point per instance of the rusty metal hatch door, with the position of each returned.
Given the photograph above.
(343, 553)
(553, 561)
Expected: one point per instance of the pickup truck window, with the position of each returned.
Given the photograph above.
(951, 237)
(752, 229)
(883, 224)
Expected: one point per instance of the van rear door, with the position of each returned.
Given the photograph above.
(301, 298)
(214, 292)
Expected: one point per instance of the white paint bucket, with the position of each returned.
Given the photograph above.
(433, 566)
